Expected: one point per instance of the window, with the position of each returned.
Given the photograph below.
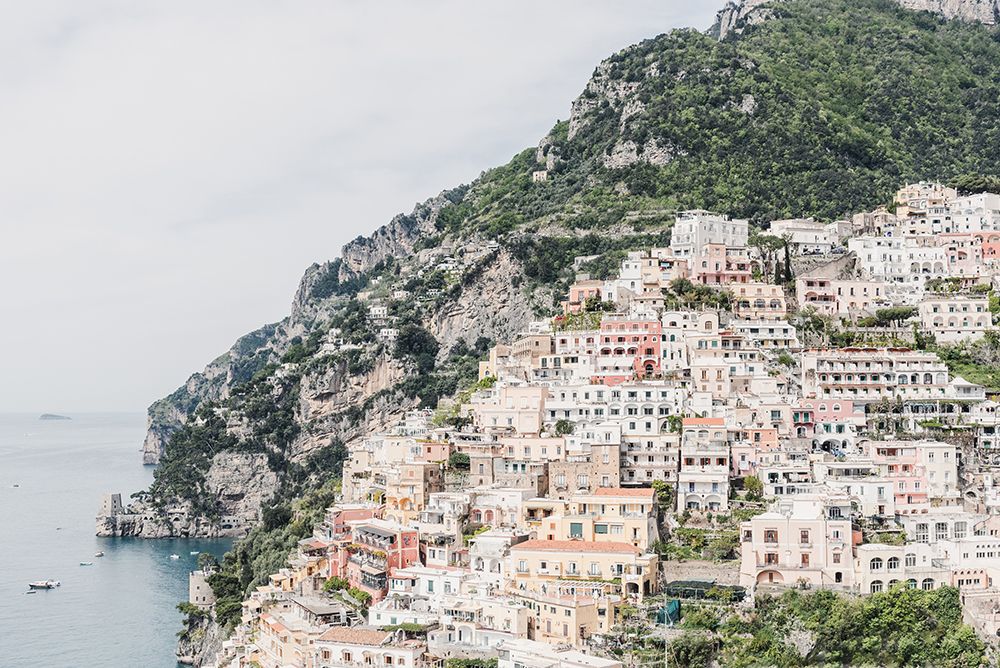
(911, 560)
(601, 528)
(892, 564)
(875, 564)
(876, 586)
(770, 535)
(941, 531)
(804, 537)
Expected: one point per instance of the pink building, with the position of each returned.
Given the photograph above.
(433, 451)
(373, 551)
(715, 264)
(989, 246)
(900, 465)
(580, 292)
(628, 349)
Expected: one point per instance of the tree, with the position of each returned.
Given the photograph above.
(458, 461)
(767, 247)
(754, 488)
(207, 561)
(335, 584)
(564, 427)
(895, 315)
(418, 344)
(675, 423)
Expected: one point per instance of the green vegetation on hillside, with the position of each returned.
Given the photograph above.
(820, 111)
(898, 627)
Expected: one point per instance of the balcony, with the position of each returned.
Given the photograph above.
(367, 560)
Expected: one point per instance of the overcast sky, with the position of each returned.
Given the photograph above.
(169, 169)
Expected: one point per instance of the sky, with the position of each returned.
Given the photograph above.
(169, 169)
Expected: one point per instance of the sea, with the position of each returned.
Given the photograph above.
(120, 611)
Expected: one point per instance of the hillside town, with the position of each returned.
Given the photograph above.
(741, 413)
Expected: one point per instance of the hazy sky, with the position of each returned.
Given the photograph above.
(169, 169)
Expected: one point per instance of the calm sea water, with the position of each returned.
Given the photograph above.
(118, 612)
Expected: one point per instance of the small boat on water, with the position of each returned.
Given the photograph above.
(175, 556)
(194, 553)
(98, 554)
(86, 563)
(44, 584)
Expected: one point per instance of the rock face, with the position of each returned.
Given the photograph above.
(240, 482)
(200, 642)
(979, 11)
(737, 16)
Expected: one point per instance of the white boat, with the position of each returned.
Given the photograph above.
(98, 554)
(194, 553)
(86, 563)
(175, 556)
(44, 584)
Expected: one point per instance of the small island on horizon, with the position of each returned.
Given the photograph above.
(53, 416)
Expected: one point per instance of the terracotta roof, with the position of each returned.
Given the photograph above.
(355, 636)
(575, 546)
(704, 422)
(641, 492)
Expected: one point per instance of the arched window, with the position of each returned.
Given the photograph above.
(927, 584)
(876, 565)
(911, 583)
(892, 564)
(876, 586)
(911, 560)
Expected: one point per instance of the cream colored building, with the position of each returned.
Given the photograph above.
(954, 318)
(538, 565)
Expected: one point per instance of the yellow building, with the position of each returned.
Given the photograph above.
(539, 565)
(610, 515)
(571, 612)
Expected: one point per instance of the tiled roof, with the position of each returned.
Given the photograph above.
(355, 636)
(575, 546)
(704, 422)
(640, 492)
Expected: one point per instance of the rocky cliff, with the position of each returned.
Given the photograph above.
(737, 16)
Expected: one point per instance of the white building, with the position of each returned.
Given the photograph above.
(693, 230)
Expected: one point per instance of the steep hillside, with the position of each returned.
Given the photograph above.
(819, 108)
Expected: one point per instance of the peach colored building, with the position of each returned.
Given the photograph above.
(805, 538)
(759, 301)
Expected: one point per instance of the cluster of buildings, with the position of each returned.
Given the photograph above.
(520, 522)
